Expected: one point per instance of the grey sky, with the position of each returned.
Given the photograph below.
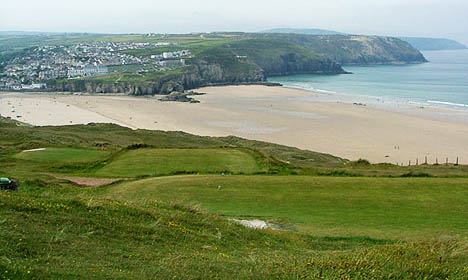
(437, 18)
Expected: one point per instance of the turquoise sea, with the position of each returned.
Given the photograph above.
(442, 82)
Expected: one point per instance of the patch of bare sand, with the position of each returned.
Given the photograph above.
(89, 182)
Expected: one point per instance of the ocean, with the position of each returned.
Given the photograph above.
(442, 82)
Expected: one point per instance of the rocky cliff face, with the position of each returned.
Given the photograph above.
(291, 64)
(92, 86)
(204, 73)
(197, 75)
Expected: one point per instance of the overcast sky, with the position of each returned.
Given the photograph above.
(436, 18)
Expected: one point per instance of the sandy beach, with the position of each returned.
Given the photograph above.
(274, 114)
(45, 109)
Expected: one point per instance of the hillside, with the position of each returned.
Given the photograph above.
(433, 44)
(356, 49)
(306, 31)
(422, 44)
(162, 205)
(220, 58)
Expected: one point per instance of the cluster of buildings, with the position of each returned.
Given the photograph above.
(45, 63)
(169, 55)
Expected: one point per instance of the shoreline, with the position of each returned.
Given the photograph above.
(450, 113)
(440, 83)
(293, 117)
(436, 104)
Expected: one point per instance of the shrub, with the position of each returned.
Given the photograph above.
(362, 161)
(414, 174)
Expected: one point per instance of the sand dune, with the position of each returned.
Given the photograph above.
(274, 114)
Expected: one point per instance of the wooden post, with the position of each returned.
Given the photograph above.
(409, 163)
(425, 162)
(437, 161)
(417, 161)
(457, 161)
(446, 161)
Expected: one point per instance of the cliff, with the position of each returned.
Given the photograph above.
(279, 57)
(199, 74)
(356, 49)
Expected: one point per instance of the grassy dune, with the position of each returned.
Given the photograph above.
(151, 162)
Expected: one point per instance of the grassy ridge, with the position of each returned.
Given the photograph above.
(151, 162)
(14, 139)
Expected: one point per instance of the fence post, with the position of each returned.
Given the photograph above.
(417, 161)
(457, 161)
(425, 162)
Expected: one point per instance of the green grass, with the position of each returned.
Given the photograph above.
(150, 162)
(63, 155)
(53, 231)
(195, 45)
(376, 207)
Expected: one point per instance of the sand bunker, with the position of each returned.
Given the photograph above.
(257, 224)
(34, 150)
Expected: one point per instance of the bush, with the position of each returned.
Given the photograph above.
(138, 146)
(363, 161)
(417, 175)
(360, 161)
(337, 173)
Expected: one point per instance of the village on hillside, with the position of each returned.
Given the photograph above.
(44, 63)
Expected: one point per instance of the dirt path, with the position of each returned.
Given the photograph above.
(88, 182)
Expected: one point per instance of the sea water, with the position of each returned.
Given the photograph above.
(442, 82)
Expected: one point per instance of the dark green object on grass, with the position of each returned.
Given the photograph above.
(7, 184)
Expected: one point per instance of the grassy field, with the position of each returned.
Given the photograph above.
(63, 155)
(152, 162)
(51, 231)
(402, 208)
(338, 219)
